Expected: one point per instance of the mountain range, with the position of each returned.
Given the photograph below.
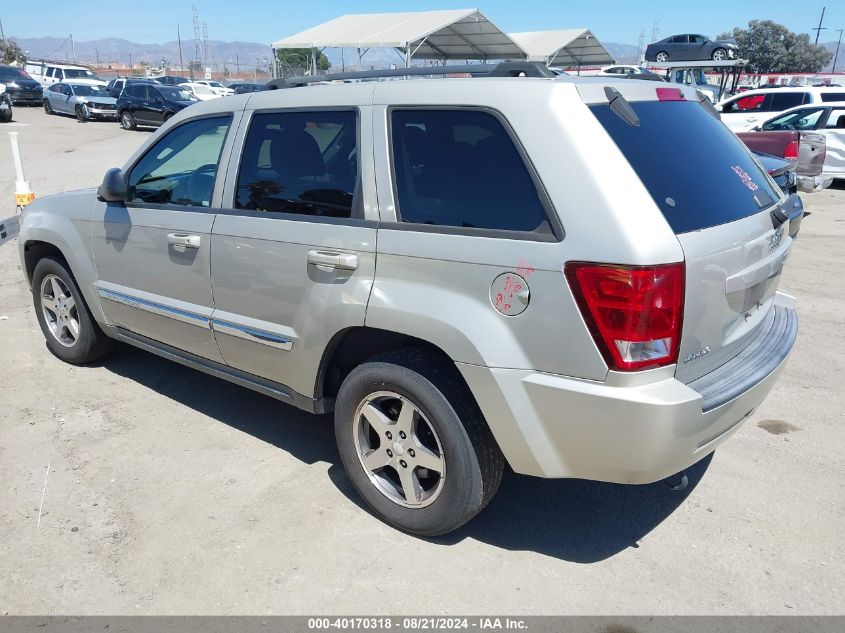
(236, 55)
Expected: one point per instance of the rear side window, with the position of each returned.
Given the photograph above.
(833, 96)
(751, 102)
(836, 120)
(786, 100)
(698, 173)
(300, 162)
(460, 168)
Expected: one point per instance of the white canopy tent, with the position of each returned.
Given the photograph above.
(568, 47)
(439, 35)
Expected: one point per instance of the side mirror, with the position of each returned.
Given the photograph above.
(756, 128)
(114, 187)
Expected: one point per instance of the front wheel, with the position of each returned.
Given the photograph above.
(662, 57)
(6, 115)
(127, 121)
(719, 55)
(67, 325)
(83, 113)
(402, 422)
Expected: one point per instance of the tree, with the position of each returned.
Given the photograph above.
(10, 53)
(770, 47)
(297, 61)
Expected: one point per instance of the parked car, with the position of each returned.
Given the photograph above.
(149, 104)
(244, 88)
(689, 47)
(85, 101)
(828, 120)
(806, 148)
(696, 78)
(783, 173)
(49, 73)
(745, 111)
(115, 86)
(625, 70)
(5, 105)
(241, 239)
(216, 87)
(21, 88)
(202, 92)
(171, 80)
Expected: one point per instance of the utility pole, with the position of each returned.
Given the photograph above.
(179, 38)
(97, 55)
(73, 48)
(130, 61)
(836, 56)
(655, 30)
(2, 33)
(820, 28)
(237, 63)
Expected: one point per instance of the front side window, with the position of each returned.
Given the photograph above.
(745, 104)
(460, 168)
(828, 97)
(803, 119)
(181, 168)
(300, 162)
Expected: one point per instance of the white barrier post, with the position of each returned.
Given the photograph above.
(23, 194)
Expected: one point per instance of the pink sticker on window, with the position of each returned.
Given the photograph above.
(745, 178)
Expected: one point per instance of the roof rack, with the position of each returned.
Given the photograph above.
(503, 69)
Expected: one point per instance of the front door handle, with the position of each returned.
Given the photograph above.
(333, 259)
(184, 240)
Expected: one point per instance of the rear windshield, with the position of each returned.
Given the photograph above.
(696, 170)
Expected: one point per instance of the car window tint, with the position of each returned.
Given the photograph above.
(786, 100)
(744, 104)
(836, 120)
(716, 183)
(460, 168)
(300, 162)
(181, 167)
(833, 96)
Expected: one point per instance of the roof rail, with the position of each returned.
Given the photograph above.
(503, 69)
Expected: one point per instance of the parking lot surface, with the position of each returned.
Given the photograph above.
(172, 492)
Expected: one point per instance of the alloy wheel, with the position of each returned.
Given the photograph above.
(399, 449)
(60, 311)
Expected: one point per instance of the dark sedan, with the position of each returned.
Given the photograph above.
(691, 47)
(243, 88)
(783, 173)
(21, 88)
(150, 104)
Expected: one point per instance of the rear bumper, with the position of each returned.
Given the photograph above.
(811, 184)
(631, 428)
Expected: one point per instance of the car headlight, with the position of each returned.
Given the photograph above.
(12, 84)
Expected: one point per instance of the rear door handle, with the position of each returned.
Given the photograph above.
(333, 259)
(184, 240)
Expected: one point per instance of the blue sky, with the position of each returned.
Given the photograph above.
(264, 21)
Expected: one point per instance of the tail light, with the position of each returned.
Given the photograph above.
(633, 312)
(791, 150)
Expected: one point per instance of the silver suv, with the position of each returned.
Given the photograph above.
(575, 277)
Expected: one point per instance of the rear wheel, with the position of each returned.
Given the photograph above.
(168, 116)
(662, 56)
(6, 115)
(127, 121)
(47, 107)
(401, 422)
(65, 321)
(719, 55)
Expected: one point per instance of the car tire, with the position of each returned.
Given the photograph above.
(662, 56)
(48, 109)
(82, 113)
(127, 121)
(441, 430)
(6, 116)
(71, 333)
(719, 55)
(167, 116)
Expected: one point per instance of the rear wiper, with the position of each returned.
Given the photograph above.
(620, 107)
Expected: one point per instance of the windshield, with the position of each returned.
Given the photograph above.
(7, 74)
(805, 119)
(215, 84)
(698, 173)
(175, 94)
(82, 90)
(79, 73)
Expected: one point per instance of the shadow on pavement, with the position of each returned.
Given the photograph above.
(575, 520)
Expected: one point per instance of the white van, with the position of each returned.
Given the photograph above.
(748, 109)
(49, 73)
